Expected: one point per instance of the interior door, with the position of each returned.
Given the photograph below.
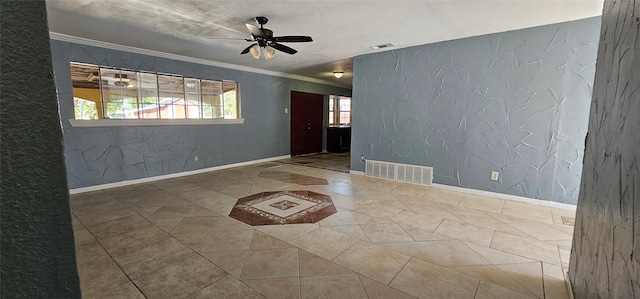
(306, 123)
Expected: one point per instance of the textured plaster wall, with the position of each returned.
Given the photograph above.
(37, 250)
(515, 102)
(605, 256)
(105, 155)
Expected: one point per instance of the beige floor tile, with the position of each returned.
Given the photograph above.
(313, 265)
(286, 288)
(227, 287)
(474, 217)
(366, 219)
(344, 202)
(287, 232)
(97, 277)
(505, 228)
(144, 211)
(423, 235)
(526, 247)
(180, 278)
(133, 240)
(181, 211)
(552, 271)
(466, 232)
(324, 242)
(376, 290)
(229, 261)
(166, 224)
(395, 203)
(339, 218)
(555, 288)
(452, 253)
(392, 232)
(422, 221)
(541, 231)
(491, 291)
(377, 210)
(194, 225)
(153, 257)
(493, 275)
(425, 280)
(498, 257)
(372, 261)
(104, 215)
(153, 201)
(91, 253)
(81, 235)
(271, 263)
(410, 190)
(117, 227)
(192, 240)
(127, 290)
(264, 241)
(354, 231)
(332, 286)
(444, 196)
(228, 241)
(528, 211)
(482, 203)
(412, 249)
(529, 275)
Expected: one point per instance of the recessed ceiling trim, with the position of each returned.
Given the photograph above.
(101, 44)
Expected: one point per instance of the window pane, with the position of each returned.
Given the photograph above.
(345, 117)
(171, 97)
(331, 122)
(230, 97)
(212, 94)
(86, 91)
(345, 104)
(148, 94)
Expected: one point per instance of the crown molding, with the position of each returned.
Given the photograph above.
(112, 46)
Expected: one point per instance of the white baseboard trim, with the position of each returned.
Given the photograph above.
(356, 172)
(171, 175)
(567, 281)
(534, 201)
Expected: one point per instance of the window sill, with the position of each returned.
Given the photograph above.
(84, 123)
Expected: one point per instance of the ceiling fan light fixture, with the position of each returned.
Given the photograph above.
(269, 52)
(255, 51)
(338, 74)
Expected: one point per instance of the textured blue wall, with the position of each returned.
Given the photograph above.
(105, 155)
(515, 102)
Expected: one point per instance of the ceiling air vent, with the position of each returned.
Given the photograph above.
(382, 46)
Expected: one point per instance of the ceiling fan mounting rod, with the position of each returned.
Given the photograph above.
(262, 21)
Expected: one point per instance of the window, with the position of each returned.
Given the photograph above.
(110, 93)
(339, 110)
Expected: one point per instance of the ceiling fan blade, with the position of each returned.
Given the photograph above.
(293, 39)
(246, 50)
(283, 48)
(255, 30)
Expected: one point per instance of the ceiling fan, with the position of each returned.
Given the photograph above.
(265, 42)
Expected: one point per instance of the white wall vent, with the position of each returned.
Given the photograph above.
(421, 175)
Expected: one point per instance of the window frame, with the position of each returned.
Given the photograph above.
(158, 121)
(334, 101)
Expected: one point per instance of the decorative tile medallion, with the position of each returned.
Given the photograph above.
(283, 207)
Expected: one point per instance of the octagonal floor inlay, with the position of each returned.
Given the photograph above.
(283, 207)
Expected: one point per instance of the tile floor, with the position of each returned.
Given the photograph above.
(331, 161)
(173, 239)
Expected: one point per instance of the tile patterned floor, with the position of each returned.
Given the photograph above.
(173, 239)
(337, 162)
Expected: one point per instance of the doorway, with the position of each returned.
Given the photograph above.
(306, 123)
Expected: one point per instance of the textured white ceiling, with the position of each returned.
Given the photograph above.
(340, 29)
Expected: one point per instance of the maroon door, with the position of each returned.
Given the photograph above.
(306, 123)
